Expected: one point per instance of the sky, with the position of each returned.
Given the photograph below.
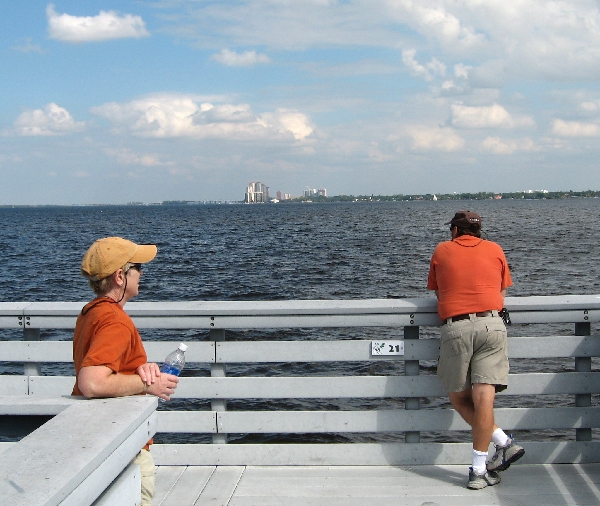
(109, 102)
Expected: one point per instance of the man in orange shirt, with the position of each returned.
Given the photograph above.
(109, 357)
(470, 276)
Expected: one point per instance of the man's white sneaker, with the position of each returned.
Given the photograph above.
(505, 456)
(479, 481)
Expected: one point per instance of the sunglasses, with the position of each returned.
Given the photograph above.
(137, 267)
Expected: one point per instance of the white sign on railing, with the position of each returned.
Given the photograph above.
(387, 347)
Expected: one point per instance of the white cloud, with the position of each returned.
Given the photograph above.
(168, 116)
(575, 129)
(284, 120)
(590, 106)
(462, 71)
(494, 116)
(434, 20)
(28, 47)
(556, 39)
(105, 26)
(125, 156)
(427, 71)
(246, 59)
(52, 120)
(435, 139)
(499, 146)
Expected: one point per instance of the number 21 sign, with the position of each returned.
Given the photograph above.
(387, 347)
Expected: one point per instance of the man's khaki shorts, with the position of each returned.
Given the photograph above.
(145, 460)
(473, 351)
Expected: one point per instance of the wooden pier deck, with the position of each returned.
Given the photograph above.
(522, 484)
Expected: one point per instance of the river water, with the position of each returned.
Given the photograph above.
(297, 251)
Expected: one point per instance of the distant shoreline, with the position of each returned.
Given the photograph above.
(529, 195)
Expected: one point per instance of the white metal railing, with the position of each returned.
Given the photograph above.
(81, 456)
(407, 315)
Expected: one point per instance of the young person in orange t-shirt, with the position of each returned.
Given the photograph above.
(109, 357)
(470, 276)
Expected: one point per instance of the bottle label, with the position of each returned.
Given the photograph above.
(169, 369)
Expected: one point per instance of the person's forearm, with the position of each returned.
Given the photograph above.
(113, 385)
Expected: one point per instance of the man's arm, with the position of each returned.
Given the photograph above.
(101, 381)
(503, 293)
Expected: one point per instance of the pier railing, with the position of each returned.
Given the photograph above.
(80, 456)
(401, 434)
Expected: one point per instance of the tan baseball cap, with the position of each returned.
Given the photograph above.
(106, 256)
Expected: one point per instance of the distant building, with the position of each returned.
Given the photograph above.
(283, 196)
(256, 193)
(312, 192)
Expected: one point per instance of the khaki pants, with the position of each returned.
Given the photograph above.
(148, 471)
(473, 351)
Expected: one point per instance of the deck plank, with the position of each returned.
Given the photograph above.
(188, 486)
(221, 486)
(522, 485)
(166, 477)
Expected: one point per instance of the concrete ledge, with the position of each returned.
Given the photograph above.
(126, 489)
(76, 455)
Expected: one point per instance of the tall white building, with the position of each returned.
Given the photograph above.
(311, 192)
(256, 193)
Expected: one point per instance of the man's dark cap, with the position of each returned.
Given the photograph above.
(465, 219)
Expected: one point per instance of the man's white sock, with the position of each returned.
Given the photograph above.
(479, 459)
(499, 438)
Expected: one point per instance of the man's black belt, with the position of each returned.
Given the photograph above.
(466, 316)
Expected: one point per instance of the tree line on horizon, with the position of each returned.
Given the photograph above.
(529, 195)
(540, 195)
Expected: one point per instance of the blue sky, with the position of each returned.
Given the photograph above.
(112, 102)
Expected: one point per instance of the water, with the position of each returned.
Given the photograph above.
(298, 251)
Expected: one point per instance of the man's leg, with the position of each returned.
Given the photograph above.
(476, 406)
(148, 471)
(483, 417)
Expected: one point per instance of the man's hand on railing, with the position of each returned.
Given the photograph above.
(163, 386)
(148, 372)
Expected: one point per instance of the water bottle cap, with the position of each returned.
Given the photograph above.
(182, 347)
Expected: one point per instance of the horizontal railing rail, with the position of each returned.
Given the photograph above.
(398, 400)
(81, 454)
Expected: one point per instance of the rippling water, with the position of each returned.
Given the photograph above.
(296, 251)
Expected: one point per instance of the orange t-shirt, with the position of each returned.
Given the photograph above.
(105, 335)
(468, 273)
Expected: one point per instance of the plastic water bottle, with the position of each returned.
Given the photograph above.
(175, 361)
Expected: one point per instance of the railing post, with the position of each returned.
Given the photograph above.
(583, 364)
(32, 368)
(218, 371)
(411, 368)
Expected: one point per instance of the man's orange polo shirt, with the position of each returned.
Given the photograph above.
(468, 273)
(105, 335)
